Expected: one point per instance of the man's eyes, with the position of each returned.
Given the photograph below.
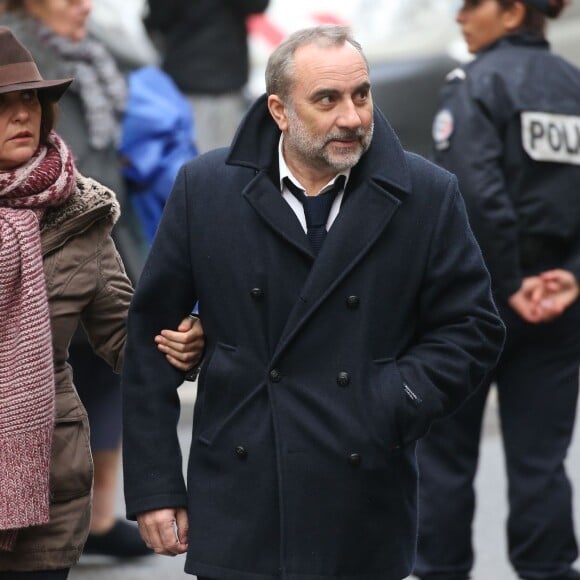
(327, 99)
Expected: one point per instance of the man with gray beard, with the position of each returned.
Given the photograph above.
(346, 306)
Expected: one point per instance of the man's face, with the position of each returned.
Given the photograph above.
(328, 120)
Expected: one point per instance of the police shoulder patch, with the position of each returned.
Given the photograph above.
(443, 126)
(551, 137)
(456, 74)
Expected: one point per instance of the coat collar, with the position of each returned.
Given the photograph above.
(525, 39)
(377, 187)
(256, 146)
(90, 202)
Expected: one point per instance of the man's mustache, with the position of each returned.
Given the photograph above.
(347, 135)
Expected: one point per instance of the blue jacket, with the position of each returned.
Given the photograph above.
(320, 375)
(157, 139)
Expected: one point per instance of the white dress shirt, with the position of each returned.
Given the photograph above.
(296, 204)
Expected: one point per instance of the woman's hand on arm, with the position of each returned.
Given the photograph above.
(183, 347)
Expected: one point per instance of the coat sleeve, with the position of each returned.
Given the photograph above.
(475, 157)
(104, 318)
(153, 476)
(460, 335)
(573, 262)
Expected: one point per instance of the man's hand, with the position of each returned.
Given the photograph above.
(183, 347)
(165, 530)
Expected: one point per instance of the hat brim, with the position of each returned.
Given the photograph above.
(54, 90)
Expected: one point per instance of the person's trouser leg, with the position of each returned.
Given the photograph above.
(100, 391)
(216, 118)
(538, 390)
(447, 458)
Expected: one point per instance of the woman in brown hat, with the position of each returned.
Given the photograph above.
(56, 34)
(59, 267)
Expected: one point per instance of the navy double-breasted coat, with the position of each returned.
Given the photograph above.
(319, 375)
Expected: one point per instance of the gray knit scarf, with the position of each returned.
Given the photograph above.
(102, 88)
(27, 387)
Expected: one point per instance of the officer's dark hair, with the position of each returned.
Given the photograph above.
(534, 20)
(279, 77)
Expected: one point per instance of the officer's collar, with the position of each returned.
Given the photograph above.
(517, 39)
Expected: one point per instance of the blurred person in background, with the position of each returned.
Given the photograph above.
(55, 32)
(204, 48)
(509, 128)
(120, 27)
(60, 268)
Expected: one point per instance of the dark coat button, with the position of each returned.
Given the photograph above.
(257, 293)
(343, 379)
(241, 452)
(354, 459)
(353, 302)
(275, 376)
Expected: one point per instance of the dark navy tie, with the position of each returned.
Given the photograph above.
(316, 209)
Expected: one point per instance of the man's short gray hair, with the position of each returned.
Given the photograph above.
(280, 67)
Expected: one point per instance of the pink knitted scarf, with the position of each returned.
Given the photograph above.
(27, 387)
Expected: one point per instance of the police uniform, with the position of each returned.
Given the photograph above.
(509, 127)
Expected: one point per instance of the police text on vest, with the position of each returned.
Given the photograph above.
(551, 137)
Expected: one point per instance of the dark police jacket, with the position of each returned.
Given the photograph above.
(509, 128)
(319, 374)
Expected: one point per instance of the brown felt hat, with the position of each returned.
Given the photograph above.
(18, 71)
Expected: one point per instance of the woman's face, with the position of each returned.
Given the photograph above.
(20, 116)
(482, 23)
(66, 18)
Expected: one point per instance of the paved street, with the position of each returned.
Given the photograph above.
(491, 561)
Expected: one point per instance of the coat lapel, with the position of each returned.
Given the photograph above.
(268, 202)
(362, 219)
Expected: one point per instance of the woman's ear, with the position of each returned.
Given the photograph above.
(514, 16)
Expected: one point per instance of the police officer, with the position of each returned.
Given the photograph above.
(509, 127)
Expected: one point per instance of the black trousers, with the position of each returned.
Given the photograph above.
(537, 383)
(41, 575)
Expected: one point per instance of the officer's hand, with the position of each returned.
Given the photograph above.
(561, 290)
(165, 530)
(527, 300)
(183, 348)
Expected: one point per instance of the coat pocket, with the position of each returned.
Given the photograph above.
(71, 466)
(217, 391)
(392, 405)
